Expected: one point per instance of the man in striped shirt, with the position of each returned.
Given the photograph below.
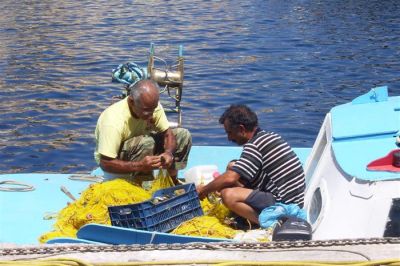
(267, 171)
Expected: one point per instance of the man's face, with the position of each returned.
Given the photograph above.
(144, 110)
(235, 134)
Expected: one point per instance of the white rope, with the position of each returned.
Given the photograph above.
(89, 178)
(12, 186)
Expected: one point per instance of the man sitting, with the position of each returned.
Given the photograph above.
(133, 137)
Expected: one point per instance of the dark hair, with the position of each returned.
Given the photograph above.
(240, 114)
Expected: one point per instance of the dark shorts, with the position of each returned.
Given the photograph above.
(259, 200)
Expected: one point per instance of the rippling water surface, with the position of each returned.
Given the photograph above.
(291, 61)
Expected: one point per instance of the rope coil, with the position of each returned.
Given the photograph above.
(15, 186)
(88, 178)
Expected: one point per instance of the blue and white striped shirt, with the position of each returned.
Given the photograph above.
(269, 164)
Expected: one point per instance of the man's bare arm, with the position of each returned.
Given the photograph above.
(118, 166)
(169, 141)
(227, 179)
(169, 148)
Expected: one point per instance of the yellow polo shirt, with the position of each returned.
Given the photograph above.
(116, 124)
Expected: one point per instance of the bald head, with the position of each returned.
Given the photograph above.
(145, 93)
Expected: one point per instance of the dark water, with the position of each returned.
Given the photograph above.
(291, 61)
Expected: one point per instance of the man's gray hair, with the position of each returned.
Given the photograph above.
(142, 86)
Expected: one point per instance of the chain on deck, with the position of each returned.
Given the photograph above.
(68, 248)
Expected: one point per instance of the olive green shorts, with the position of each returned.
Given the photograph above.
(136, 148)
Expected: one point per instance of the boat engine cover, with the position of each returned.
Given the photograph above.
(291, 228)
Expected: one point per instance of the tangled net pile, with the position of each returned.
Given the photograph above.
(92, 207)
(212, 224)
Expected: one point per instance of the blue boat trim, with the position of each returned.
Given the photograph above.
(378, 94)
(119, 235)
(365, 120)
(69, 240)
(363, 131)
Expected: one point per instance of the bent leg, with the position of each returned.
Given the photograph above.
(135, 149)
(234, 198)
(183, 146)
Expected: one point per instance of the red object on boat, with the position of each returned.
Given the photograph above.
(389, 163)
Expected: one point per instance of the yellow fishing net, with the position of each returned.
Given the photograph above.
(205, 226)
(215, 209)
(212, 224)
(92, 207)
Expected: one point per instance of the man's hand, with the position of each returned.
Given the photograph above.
(151, 162)
(176, 181)
(199, 190)
(166, 160)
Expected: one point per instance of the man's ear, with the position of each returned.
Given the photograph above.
(242, 129)
(131, 101)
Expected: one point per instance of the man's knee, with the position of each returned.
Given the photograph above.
(136, 148)
(183, 147)
(228, 196)
(183, 136)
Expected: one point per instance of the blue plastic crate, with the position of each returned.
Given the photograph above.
(165, 215)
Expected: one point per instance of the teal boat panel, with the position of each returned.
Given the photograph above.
(378, 94)
(303, 154)
(69, 240)
(353, 156)
(127, 236)
(25, 216)
(365, 120)
(365, 130)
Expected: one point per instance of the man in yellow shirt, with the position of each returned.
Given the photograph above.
(133, 137)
